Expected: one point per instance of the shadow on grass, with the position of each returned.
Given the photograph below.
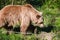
(31, 28)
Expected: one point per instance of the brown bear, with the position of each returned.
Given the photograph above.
(22, 15)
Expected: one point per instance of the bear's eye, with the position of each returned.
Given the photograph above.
(38, 16)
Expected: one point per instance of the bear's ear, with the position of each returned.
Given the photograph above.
(29, 5)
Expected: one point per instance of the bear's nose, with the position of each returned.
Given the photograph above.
(41, 25)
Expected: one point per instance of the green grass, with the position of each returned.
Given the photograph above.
(17, 37)
(51, 13)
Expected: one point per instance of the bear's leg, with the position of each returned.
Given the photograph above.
(24, 25)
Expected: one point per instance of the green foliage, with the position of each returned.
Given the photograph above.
(16, 37)
(51, 13)
(57, 36)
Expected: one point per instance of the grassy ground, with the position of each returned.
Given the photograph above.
(18, 36)
(51, 13)
(43, 36)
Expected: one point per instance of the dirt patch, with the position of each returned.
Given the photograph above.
(46, 36)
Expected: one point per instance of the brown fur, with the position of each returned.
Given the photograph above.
(21, 14)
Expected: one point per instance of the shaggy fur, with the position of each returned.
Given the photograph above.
(22, 15)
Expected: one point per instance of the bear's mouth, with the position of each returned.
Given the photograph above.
(41, 23)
